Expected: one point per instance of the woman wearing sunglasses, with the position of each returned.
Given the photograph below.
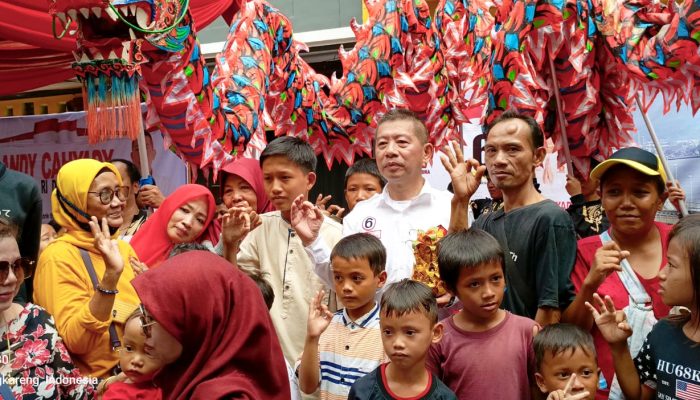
(83, 278)
(30, 347)
(212, 330)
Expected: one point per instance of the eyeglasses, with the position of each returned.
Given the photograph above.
(146, 321)
(21, 267)
(106, 195)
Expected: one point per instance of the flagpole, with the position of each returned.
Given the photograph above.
(660, 152)
(562, 120)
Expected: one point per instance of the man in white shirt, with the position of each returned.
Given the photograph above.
(407, 205)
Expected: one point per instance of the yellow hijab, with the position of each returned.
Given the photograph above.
(72, 184)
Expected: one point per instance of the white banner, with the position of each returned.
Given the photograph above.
(39, 146)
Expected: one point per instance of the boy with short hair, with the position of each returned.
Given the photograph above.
(471, 266)
(288, 164)
(362, 181)
(566, 362)
(408, 320)
(343, 347)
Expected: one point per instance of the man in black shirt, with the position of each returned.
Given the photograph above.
(537, 236)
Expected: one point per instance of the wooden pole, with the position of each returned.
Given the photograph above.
(562, 120)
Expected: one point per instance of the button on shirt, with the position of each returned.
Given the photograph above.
(395, 223)
(274, 248)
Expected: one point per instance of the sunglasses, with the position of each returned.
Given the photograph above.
(106, 195)
(146, 321)
(21, 267)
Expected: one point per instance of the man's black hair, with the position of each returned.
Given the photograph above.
(536, 135)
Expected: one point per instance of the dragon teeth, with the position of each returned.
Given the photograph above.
(111, 13)
(73, 14)
(142, 18)
(132, 35)
(85, 12)
(62, 17)
(132, 8)
(97, 11)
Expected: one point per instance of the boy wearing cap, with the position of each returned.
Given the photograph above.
(624, 261)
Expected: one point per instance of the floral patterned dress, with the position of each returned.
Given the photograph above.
(39, 364)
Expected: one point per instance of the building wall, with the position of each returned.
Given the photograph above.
(306, 15)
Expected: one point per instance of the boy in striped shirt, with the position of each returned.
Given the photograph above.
(342, 347)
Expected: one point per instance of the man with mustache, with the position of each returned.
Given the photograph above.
(536, 235)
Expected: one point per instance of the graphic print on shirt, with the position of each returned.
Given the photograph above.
(670, 363)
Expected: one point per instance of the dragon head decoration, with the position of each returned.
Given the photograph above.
(111, 38)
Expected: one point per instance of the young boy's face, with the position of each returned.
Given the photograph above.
(360, 187)
(480, 289)
(138, 364)
(556, 369)
(407, 338)
(285, 181)
(356, 284)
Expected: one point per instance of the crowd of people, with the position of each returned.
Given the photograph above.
(129, 294)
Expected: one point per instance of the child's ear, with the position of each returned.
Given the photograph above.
(382, 279)
(310, 180)
(539, 379)
(437, 333)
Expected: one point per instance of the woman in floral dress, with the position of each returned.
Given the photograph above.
(34, 363)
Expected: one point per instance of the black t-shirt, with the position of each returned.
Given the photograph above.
(670, 362)
(588, 216)
(373, 386)
(540, 249)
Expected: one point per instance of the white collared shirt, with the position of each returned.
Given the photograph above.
(395, 223)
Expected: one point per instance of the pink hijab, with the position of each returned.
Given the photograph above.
(151, 241)
(249, 170)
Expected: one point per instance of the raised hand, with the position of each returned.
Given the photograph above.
(306, 220)
(675, 194)
(465, 175)
(236, 224)
(331, 210)
(606, 261)
(108, 247)
(612, 323)
(319, 316)
(150, 196)
(566, 393)
(573, 186)
(138, 267)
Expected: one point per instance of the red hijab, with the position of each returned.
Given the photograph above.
(249, 170)
(229, 346)
(151, 241)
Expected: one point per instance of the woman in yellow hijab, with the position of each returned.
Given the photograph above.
(89, 308)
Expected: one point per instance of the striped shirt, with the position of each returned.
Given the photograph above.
(348, 350)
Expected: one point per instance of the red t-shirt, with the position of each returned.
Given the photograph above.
(614, 288)
(133, 391)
